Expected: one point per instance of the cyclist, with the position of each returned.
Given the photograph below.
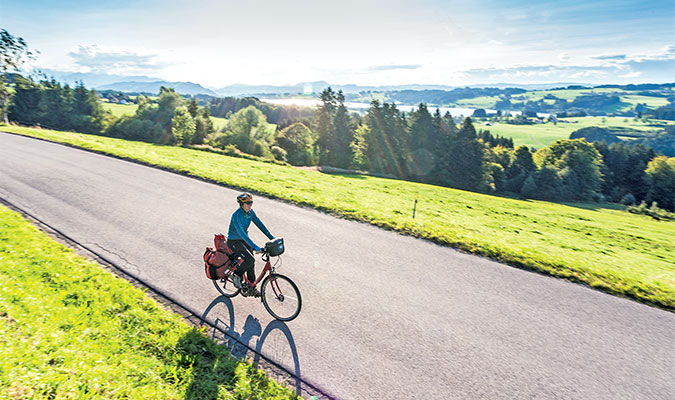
(239, 241)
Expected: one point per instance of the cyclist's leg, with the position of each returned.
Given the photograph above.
(240, 247)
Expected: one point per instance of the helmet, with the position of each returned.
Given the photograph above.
(244, 198)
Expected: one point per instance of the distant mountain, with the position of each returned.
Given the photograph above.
(153, 87)
(314, 87)
(92, 80)
(531, 86)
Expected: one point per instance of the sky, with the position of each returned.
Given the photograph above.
(365, 42)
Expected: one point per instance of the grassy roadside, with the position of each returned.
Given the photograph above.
(69, 329)
(598, 245)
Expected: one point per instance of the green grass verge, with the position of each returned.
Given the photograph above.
(69, 329)
(596, 244)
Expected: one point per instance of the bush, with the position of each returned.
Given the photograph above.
(654, 211)
(278, 153)
(628, 199)
(529, 189)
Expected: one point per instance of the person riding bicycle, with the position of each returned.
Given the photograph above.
(239, 241)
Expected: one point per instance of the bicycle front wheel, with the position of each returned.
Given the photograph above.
(281, 297)
(226, 287)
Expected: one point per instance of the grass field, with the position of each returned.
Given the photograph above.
(71, 330)
(118, 110)
(219, 123)
(628, 98)
(541, 135)
(596, 244)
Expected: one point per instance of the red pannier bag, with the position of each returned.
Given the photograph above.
(221, 262)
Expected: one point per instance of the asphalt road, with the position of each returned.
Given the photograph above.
(384, 316)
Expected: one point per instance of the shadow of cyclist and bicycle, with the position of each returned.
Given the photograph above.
(281, 351)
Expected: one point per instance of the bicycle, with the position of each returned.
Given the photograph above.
(278, 293)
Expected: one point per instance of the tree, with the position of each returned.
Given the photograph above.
(249, 132)
(386, 140)
(529, 189)
(182, 126)
(423, 143)
(87, 113)
(521, 166)
(579, 165)
(342, 152)
(660, 176)
(298, 142)
(326, 130)
(24, 106)
(624, 169)
(466, 159)
(335, 130)
(13, 54)
(203, 125)
(479, 113)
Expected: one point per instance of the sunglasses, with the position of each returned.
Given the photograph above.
(248, 202)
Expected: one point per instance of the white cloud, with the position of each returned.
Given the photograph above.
(116, 60)
(634, 74)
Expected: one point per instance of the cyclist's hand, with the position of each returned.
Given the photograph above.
(258, 251)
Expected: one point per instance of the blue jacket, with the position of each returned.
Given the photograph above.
(239, 224)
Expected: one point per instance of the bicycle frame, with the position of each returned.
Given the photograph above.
(268, 268)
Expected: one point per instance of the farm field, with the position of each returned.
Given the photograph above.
(596, 244)
(541, 135)
(628, 99)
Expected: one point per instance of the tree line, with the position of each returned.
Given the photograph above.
(430, 147)
(419, 146)
(172, 120)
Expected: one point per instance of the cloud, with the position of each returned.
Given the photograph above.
(393, 67)
(611, 57)
(647, 70)
(564, 57)
(634, 74)
(107, 60)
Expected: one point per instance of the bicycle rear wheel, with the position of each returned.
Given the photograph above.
(281, 297)
(226, 287)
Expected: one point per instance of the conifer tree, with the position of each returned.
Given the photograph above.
(466, 159)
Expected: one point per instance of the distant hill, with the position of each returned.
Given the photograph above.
(663, 142)
(318, 86)
(187, 88)
(93, 80)
(314, 87)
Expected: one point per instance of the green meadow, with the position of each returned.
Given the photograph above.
(599, 245)
(71, 330)
(628, 99)
(541, 135)
(118, 110)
